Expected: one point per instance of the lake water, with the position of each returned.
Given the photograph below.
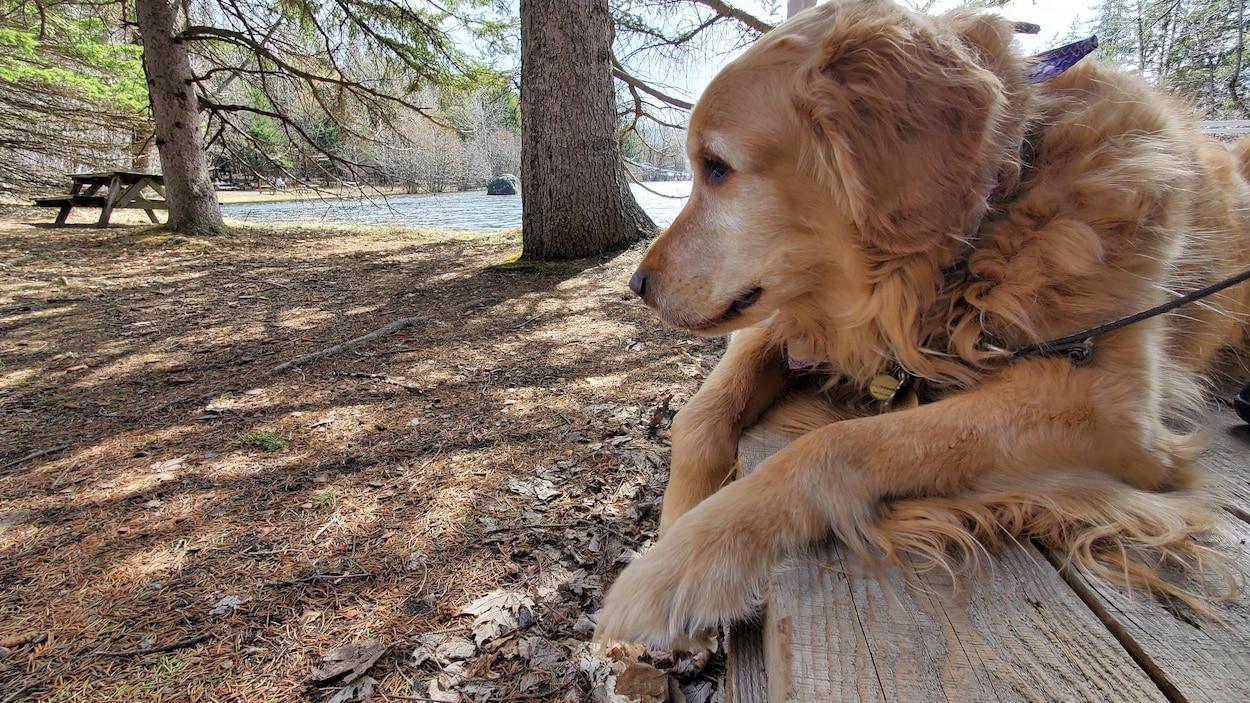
(473, 210)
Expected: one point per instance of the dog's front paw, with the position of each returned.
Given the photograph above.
(677, 595)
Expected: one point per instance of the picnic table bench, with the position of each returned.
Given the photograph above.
(109, 191)
(1020, 630)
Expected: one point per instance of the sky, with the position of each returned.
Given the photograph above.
(1055, 17)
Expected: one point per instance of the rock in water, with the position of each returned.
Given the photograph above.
(504, 184)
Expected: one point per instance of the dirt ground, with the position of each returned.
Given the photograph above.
(177, 523)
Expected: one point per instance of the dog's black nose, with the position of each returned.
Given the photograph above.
(638, 283)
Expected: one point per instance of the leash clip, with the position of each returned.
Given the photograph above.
(1078, 353)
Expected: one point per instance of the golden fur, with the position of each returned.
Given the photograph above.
(841, 163)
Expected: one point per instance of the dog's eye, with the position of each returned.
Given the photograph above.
(716, 170)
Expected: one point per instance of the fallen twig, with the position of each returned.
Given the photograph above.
(26, 638)
(393, 380)
(316, 577)
(582, 522)
(18, 261)
(35, 455)
(19, 694)
(390, 328)
(179, 401)
(180, 644)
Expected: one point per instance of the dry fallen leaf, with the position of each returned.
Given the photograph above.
(496, 613)
(438, 694)
(360, 691)
(454, 649)
(351, 660)
(643, 680)
(539, 488)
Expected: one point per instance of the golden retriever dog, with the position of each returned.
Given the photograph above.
(880, 193)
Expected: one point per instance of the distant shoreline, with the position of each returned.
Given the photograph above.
(232, 197)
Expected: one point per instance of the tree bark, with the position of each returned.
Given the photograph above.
(1238, 54)
(192, 202)
(575, 196)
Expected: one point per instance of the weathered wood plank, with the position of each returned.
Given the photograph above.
(1018, 633)
(74, 200)
(745, 676)
(1227, 458)
(140, 203)
(1194, 660)
(1199, 660)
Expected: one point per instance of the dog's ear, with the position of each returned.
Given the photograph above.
(905, 118)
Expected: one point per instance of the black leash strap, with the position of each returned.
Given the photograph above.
(1080, 346)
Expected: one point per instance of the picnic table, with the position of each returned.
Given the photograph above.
(109, 191)
(1020, 630)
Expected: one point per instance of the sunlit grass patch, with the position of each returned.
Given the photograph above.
(265, 441)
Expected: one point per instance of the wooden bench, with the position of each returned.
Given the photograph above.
(121, 190)
(1020, 631)
(69, 202)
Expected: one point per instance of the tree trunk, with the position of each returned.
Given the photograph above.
(1239, 51)
(575, 197)
(192, 202)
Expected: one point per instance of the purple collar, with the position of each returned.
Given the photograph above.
(1052, 62)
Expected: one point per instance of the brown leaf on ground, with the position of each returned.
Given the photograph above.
(359, 691)
(644, 681)
(349, 661)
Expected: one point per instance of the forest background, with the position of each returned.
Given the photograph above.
(424, 97)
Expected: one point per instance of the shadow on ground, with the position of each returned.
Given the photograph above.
(152, 469)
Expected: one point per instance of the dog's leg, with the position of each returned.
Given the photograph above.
(713, 562)
(749, 379)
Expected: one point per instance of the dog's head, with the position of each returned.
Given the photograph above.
(856, 130)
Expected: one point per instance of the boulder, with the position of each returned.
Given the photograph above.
(504, 184)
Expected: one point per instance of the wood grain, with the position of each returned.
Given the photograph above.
(1192, 658)
(1227, 459)
(1017, 633)
(746, 679)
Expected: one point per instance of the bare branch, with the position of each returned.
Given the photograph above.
(726, 10)
(637, 84)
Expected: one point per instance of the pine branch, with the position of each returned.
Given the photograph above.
(726, 10)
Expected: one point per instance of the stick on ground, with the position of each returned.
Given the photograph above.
(390, 328)
(180, 644)
(35, 455)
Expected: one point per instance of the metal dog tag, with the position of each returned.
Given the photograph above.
(904, 400)
(894, 392)
(884, 387)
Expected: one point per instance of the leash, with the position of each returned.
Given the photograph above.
(1079, 347)
(898, 391)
